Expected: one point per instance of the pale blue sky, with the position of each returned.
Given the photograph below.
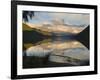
(41, 17)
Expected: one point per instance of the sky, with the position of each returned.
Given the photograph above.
(41, 17)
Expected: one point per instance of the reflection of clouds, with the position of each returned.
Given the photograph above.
(64, 59)
(59, 45)
(57, 59)
(75, 56)
(78, 53)
(37, 51)
(60, 51)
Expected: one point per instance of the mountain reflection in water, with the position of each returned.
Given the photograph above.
(55, 53)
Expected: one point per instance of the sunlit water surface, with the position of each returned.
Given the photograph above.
(55, 52)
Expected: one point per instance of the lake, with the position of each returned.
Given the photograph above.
(55, 52)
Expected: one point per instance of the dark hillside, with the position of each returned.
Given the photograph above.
(84, 37)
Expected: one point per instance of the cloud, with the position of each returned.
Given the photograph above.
(69, 18)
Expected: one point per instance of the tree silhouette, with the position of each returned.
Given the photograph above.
(27, 14)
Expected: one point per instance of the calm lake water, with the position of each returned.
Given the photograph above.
(55, 52)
